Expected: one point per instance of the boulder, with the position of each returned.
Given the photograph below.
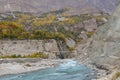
(70, 42)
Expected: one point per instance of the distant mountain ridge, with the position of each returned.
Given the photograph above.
(42, 6)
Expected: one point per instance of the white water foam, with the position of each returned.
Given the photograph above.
(68, 64)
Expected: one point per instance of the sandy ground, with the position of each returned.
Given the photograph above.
(14, 66)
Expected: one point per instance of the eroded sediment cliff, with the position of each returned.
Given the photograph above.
(26, 47)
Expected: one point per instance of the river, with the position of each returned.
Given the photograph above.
(70, 70)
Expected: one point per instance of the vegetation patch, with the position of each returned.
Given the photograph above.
(51, 25)
(115, 75)
(89, 34)
(71, 49)
(33, 55)
(12, 30)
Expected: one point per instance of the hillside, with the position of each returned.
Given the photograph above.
(43, 6)
(104, 47)
(54, 20)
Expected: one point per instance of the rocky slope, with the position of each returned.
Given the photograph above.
(104, 47)
(41, 6)
(106, 41)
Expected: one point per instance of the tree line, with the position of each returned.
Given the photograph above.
(13, 30)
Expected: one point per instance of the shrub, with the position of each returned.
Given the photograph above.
(71, 49)
(89, 34)
(13, 56)
(28, 65)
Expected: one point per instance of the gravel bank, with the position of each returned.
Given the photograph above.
(15, 66)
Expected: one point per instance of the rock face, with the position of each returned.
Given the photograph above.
(25, 47)
(54, 49)
(105, 46)
(42, 6)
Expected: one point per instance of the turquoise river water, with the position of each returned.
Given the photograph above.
(67, 71)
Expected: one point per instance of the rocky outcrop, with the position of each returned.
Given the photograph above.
(113, 76)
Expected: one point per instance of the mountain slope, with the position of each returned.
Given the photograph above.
(41, 6)
(105, 47)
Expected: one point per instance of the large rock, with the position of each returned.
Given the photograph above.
(70, 43)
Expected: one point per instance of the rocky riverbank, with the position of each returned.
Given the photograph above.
(15, 66)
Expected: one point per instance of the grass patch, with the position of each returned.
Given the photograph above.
(33, 55)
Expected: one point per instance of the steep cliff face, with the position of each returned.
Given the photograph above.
(105, 46)
(41, 6)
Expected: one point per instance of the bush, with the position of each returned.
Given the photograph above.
(28, 65)
(71, 49)
(89, 34)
